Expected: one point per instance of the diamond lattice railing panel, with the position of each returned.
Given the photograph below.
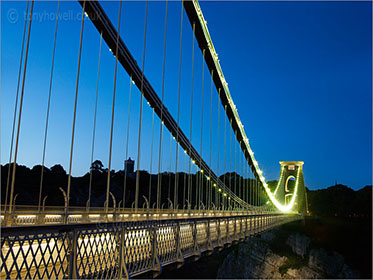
(251, 225)
(223, 229)
(99, 249)
(231, 228)
(202, 235)
(246, 226)
(213, 231)
(98, 252)
(254, 224)
(138, 246)
(36, 256)
(166, 242)
(214, 237)
(186, 238)
(238, 226)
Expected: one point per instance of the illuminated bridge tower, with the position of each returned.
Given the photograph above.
(285, 191)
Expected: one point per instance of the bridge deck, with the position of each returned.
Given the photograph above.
(120, 249)
(52, 215)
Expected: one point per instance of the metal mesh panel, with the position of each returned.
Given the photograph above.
(40, 256)
(111, 250)
(98, 253)
(223, 230)
(256, 225)
(186, 238)
(214, 233)
(238, 228)
(231, 231)
(202, 235)
(245, 230)
(166, 242)
(138, 249)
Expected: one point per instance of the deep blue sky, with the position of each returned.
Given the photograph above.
(299, 73)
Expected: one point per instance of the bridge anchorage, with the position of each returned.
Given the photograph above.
(196, 202)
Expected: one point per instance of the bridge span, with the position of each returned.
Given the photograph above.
(205, 196)
(121, 249)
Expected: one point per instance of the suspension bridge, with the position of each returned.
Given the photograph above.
(188, 194)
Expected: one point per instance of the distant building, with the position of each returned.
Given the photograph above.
(129, 166)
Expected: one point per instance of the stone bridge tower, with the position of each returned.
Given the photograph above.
(292, 169)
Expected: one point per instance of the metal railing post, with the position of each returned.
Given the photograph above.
(260, 223)
(66, 212)
(208, 236)
(242, 231)
(255, 224)
(235, 230)
(179, 254)
(157, 267)
(251, 226)
(122, 265)
(197, 252)
(72, 255)
(218, 230)
(228, 233)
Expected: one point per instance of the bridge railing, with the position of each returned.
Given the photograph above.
(29, 215)
(120, 249)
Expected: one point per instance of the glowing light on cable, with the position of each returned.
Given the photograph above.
(279, 181)
(234, 110)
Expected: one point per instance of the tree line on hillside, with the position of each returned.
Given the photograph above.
(27, 184)
(338, 200)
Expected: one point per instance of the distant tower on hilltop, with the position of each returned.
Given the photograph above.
(129, 166)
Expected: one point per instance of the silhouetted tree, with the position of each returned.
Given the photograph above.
(58, 169)
(37, 169)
